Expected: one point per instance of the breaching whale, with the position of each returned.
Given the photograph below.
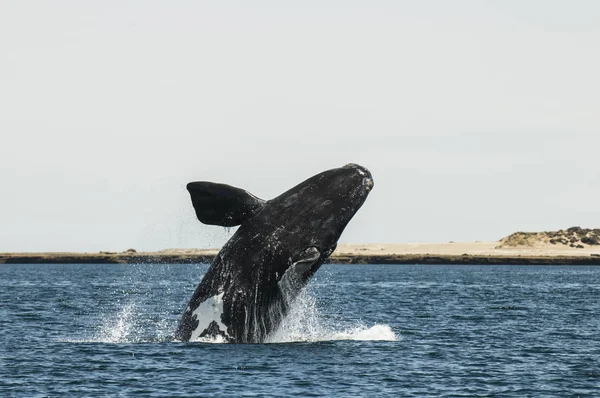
(279, 245)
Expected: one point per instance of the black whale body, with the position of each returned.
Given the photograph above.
(279, 245)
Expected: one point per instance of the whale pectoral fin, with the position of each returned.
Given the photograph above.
(305, 260)
(224, 205)
(297, 273)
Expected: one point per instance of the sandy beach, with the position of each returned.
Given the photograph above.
(389, 253)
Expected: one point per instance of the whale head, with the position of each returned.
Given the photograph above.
(318, 210)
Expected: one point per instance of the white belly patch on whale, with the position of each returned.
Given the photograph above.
(208, 312)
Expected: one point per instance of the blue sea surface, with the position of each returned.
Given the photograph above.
(360, 330)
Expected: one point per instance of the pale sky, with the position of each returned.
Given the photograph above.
(476, 118)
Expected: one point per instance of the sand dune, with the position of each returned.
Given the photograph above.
(460, 248)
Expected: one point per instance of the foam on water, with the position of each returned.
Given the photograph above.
(304, 323)
(376, 332)
(218, 339)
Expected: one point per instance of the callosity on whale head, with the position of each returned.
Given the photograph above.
(279, 245)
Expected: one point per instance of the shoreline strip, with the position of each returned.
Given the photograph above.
(342, 258)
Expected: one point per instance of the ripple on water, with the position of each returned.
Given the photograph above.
(98, 330)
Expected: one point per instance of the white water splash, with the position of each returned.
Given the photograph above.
(218, 339)
(376, 332)
(120, 328)
(114, 329)
(304, 323)
(129, 325)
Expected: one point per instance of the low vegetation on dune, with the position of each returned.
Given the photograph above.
(575, 237)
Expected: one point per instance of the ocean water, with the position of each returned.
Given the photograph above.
(359, 330)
